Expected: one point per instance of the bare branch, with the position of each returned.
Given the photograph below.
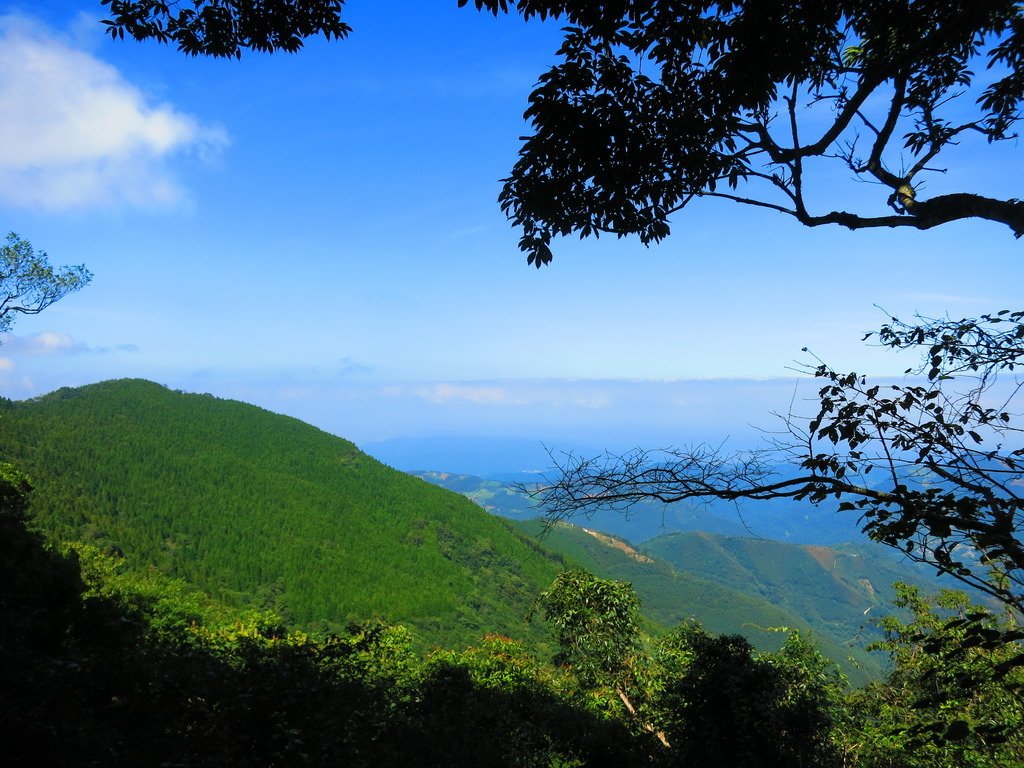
(952, 494)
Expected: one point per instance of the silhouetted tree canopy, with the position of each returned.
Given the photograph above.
(224, 28)
(656, 103)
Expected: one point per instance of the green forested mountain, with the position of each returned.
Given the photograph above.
(723, 598)
(839, 587)
(261, 509)
(838, 591)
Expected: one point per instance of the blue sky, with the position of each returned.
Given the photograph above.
(318, 234)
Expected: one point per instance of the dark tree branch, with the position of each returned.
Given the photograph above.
(865, 88)
(952, 495)
(874, 164)
(927, 214)
(618, 149)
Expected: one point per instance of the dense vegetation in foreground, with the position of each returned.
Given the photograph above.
(103, 665)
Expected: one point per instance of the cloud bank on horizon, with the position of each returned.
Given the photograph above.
(609, 413)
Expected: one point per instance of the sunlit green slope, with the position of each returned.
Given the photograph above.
(678, 587)
(258, 508)
(839, 588)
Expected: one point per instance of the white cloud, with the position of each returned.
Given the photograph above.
(76, 134)
(553, 393)
(40, 344)
(441, 393)
(482, 395)
(49, 342)
(595, 402)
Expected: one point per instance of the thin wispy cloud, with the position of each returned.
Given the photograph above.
(512, 393)
(77, 135)
(348, 366)
(50, 343)
(483, 395)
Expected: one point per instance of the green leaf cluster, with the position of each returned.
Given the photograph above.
(954, 697)
(29, 284)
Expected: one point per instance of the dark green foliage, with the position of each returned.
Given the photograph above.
(36, 586)
(224, 28)
(719, 703)
(708, 700)
(39, 600)
(259, 509)
(495, 705)
(596, 625)
(129, 675)
(103, 665)
(956, 693)
(654, 104)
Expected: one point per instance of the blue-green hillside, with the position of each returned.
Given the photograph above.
(260, 509)
(838, 589)
(779, 519)
(671, 593)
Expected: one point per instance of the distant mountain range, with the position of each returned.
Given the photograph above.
(489, 457)
(782, 520)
